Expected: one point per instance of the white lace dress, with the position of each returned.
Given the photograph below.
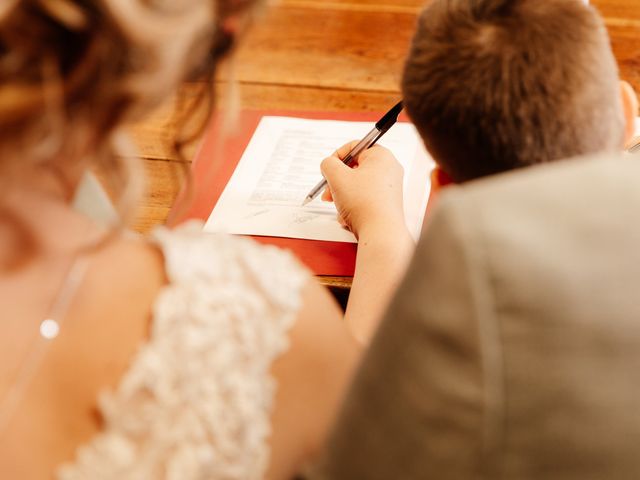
(196, 401)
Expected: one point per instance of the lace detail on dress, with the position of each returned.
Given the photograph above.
(195, 403)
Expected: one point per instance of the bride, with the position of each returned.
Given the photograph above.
(180, 355)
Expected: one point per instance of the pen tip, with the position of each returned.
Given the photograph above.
(306, 201)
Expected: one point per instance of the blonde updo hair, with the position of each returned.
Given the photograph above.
(73, 71)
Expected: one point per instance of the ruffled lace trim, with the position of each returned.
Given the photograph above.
(196, 401)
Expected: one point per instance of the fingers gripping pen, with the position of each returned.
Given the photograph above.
(370, 139)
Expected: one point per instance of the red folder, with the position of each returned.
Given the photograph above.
(214, 164)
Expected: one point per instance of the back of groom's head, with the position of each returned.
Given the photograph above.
(494, 85)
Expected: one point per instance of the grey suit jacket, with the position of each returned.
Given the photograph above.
(512, 348)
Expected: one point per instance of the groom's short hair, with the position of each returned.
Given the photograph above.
(493, 85)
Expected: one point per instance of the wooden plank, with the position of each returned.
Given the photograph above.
(397, 6)
(301, 46)
(280, 49)
(626, 48)
(620, 9)
(622, 18)
(154, 135)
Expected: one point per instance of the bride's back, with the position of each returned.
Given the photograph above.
(72, 73)
(188, 334)
(107, 319)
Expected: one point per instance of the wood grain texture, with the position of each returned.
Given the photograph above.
(318, 55)
(327, 48)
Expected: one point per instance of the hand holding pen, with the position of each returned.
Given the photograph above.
(381, 127)
(369, 198)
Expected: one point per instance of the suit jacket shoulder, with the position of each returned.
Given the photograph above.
(511, 347)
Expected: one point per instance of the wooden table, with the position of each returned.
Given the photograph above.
(317, 55)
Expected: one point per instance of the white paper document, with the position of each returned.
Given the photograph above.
(282, 163)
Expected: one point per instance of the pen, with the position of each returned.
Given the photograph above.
(381, 127)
